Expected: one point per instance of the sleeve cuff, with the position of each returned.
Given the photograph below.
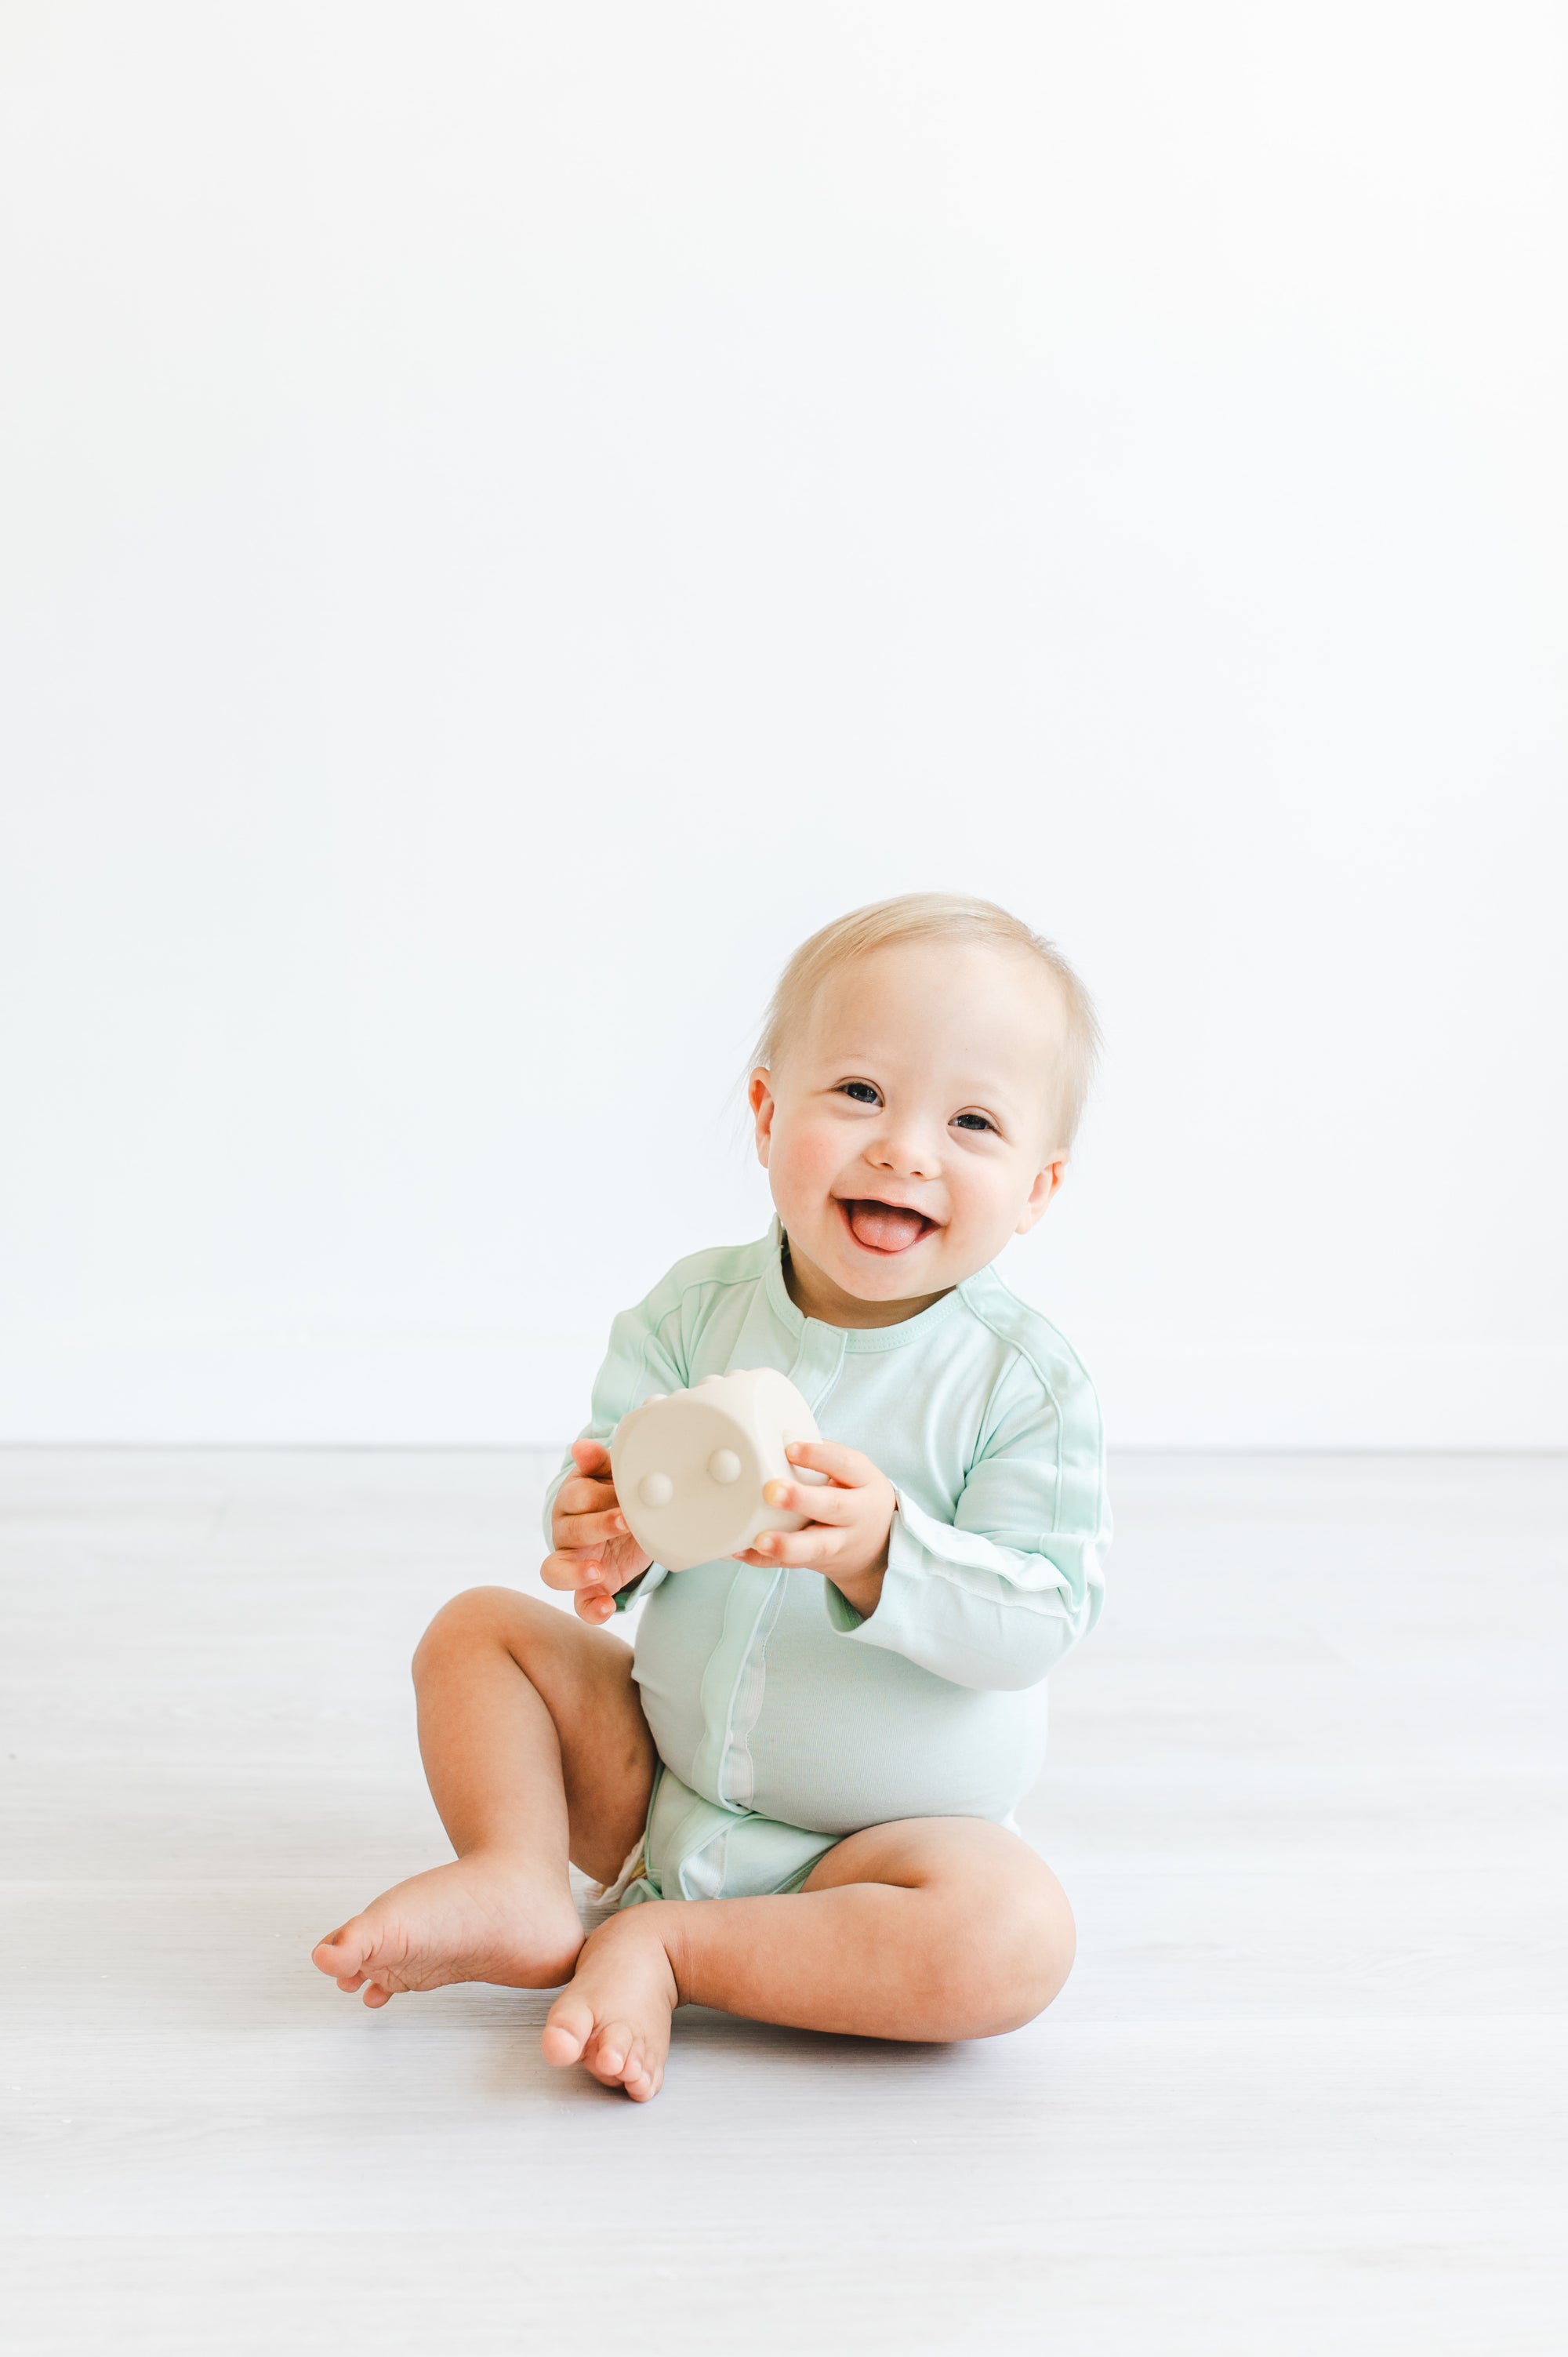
(892, 1623)
(842, 1613)
(964, 1622)
(643, 1585)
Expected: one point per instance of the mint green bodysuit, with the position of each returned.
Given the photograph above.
(783, 1720)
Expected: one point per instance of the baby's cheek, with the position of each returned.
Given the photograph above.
(808, 1165)
(984, 1197)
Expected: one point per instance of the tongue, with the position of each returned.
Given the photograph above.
(885, 1227)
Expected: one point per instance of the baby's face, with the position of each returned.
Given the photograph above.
(908, 1130)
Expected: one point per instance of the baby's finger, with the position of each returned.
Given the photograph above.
(580, 1571)
(845, 1466)
(589, 1529)
(583, 1496)
(815, 1547)
(823, 1505)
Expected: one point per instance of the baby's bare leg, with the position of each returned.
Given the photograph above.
(932, 1928)
(537, 1752)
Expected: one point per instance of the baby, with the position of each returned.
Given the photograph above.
(824, 1738)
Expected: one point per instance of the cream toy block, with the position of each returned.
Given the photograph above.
(690, 1466)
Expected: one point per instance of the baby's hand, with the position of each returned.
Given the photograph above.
(595, 1553)
(847, 1535)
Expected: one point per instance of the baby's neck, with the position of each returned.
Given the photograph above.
(815, 1294)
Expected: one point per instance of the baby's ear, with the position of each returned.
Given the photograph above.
(759, 1096)
(1046, 1181)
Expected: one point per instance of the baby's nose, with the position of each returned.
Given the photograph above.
(905, 1151)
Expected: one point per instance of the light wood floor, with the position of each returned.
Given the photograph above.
(1303, 2092)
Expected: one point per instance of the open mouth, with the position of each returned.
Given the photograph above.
(883, 1227)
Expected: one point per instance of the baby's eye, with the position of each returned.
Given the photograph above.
(861, 1090)
(972, 1121)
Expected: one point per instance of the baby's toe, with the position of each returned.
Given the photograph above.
(567, 2030)
(638, 2077)
(613, 2053)
(343, 1953)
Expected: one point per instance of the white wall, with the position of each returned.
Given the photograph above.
(515, 514)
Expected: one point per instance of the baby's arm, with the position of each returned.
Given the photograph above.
(994, 1597)
(593, 1551)
(593, 1554)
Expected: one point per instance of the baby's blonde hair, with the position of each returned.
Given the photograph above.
(935, 916)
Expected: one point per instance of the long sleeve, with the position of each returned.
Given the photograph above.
(994, 1598)
(644, 1357)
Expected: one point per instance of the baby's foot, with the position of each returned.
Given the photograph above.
(482, 1919)
(615, 2018)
